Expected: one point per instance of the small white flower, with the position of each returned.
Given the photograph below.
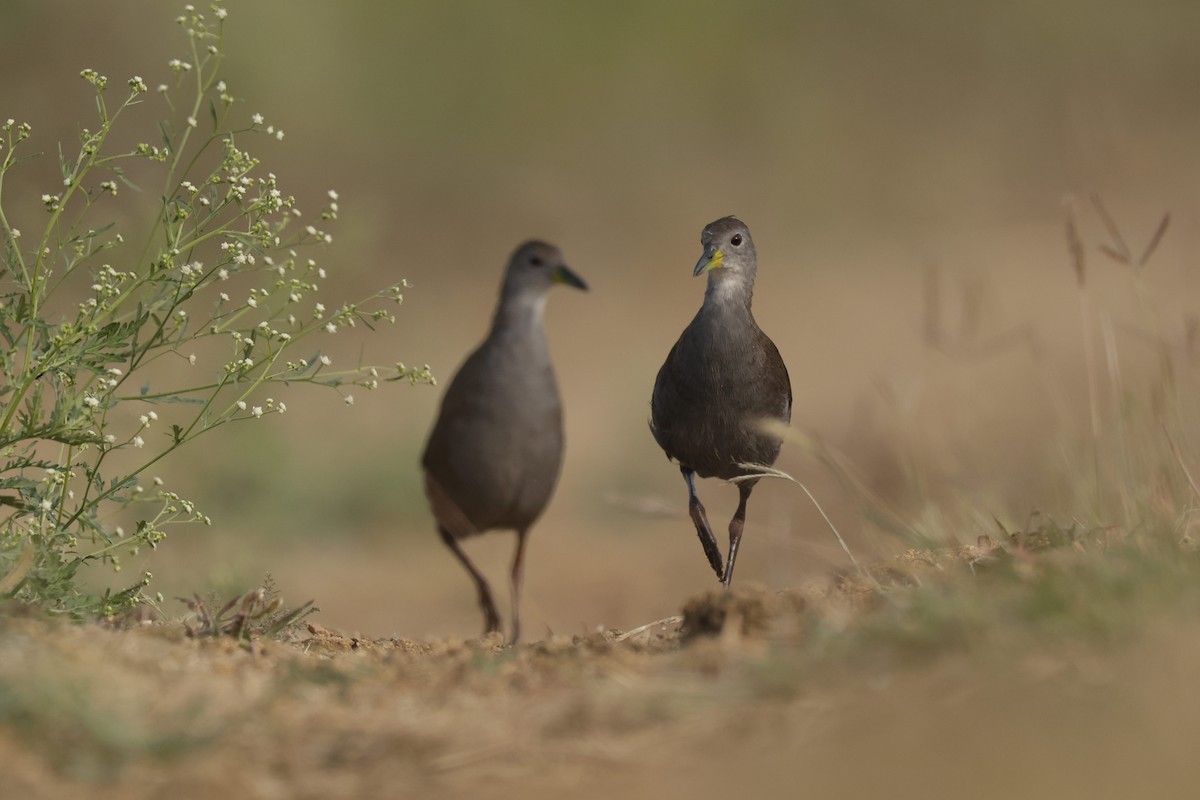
(282, 408)
(114, 370)
(145, 420)
(91, 402)
(221, 14)
(138, 441)
(46, 505)
(158, 481)
(192, 359)
(326, 360)
(250, 301)
(152, 415)
(349, 399)
(330, 327)
(110, 439)
(241, 404)
(258, 119)
(333, 195)
(257, 411)
(191, 121)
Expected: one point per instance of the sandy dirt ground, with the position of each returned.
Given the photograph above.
(737, 693)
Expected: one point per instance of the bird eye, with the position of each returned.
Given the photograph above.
(536, 261)
(736, 241)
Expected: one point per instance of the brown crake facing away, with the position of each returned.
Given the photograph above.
(720, 380)
(495, 451)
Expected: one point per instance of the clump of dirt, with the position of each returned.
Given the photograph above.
(745, 611)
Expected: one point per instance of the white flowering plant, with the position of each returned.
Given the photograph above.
(117, 353)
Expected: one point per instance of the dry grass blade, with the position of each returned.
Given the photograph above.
(1113, 254)
(1187, 473)
(643, 628)
(877, 510)
(287, 619)
(1155, 240)
(763, 471)
(1075, 247)
(1118, 251)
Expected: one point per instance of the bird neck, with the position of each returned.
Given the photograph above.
(729, 291)
(519, 313)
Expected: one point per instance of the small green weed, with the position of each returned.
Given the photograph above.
(115, 354)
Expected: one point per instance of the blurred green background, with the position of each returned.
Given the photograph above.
(863, 142)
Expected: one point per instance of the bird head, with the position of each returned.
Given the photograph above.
(535, 267)
(728, 251)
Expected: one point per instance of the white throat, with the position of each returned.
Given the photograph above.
(729, 287)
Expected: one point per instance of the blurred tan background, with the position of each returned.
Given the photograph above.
(864, 143)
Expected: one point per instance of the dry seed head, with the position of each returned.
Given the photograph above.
(1155, 240)
(1075, 247)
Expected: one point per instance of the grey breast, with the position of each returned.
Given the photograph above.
(496, 450)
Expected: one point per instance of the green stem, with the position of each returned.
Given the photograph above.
(82, 166)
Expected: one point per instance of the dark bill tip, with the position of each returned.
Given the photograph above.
(563, 274)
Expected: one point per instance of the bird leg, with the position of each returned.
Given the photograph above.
(491, 619)
(735, 529)
(518, 575)
(700, 519)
